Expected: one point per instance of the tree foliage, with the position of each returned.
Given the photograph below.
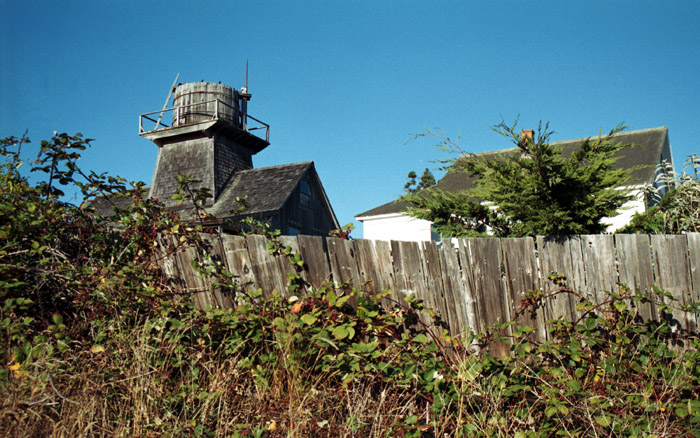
(427, 179)
(674, 202)
(533, 189)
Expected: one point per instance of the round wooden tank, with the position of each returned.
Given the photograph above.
(197, 102)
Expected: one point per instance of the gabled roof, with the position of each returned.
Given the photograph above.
(649, 147)
(104, 205)
(266, 189)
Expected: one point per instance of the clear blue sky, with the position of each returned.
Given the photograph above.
(345, 84)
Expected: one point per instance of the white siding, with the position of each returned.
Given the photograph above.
(624, 214)
(395, 227)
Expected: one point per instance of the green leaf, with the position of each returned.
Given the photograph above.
(331, 297)
(573, 385)
(604, 420)
(551, 410)
(308, 318)
(340, 332)
(421, 339)
(412, 420)
(620, 305)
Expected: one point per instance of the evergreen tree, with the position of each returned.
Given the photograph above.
(530, 190)
(427, 179)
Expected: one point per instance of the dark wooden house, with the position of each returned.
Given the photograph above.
(209, 136)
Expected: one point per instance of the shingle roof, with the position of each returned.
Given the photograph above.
(266, 189)
(104, 205)
(650, 144)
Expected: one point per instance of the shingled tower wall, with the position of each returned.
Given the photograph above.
(208, 140)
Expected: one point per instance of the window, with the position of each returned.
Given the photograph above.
(304, 193)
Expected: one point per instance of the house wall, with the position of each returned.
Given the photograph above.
(229, 157)
(396, 227)
(191, 157)
(305, 212)
(624, 216)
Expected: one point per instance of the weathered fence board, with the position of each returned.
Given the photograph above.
(521, 276)
(315, 256)
(555, 257)
(343, 262)
(599, 265)
(222, 297)
(635, 268)
(694, 258)
(265, 266)
(672, 273)
(465, 299)
(238, 261)
(470, 283)
(434, 297)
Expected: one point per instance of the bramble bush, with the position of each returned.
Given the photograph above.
(674, 204)
(97, 341)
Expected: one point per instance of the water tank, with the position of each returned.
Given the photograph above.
(203, 101)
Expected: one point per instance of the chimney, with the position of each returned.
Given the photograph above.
(527, 134)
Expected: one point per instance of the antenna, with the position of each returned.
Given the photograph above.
(167, 99)
(246, 74)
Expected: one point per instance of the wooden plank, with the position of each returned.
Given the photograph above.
(196, 286)
(694, 264)
(432, 277)
(600, 272)
(521, 276)
(635, 269)
(468, 309)
(672, 274)
(213, 246)
(369, 268)
(485, 256)
(238, 262)
(555, 257)
(407, 268)
(291, 242)
(409, 265)
(386, 268)
(167, 259)
(266, 268)
(455, 303)
(315, 256)
(341, 254)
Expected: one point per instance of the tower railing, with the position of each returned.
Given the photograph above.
(193, 113)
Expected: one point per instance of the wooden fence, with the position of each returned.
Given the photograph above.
(471, 283)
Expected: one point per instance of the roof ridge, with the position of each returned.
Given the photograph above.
(276, 166)
(555, 143)
(638, 131)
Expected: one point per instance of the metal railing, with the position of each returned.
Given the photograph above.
(201, 112)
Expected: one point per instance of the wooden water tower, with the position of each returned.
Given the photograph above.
(209, 138)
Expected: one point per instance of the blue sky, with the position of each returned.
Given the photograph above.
(345, 84)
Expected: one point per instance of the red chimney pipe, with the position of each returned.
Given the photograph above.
(527, 133)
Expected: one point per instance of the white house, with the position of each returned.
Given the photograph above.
(390, 221)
